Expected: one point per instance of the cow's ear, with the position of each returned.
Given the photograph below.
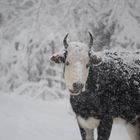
(57, 58)
(95, 60)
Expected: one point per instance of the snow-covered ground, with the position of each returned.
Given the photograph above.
(29, 119)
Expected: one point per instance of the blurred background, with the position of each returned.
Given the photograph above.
(32, 30)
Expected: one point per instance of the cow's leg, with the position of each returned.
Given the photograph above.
(87, 134)
(82, 132)
(104, 128)
(139, 130)
(133, 131)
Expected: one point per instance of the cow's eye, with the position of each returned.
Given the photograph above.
(87, 65)
(67, 63)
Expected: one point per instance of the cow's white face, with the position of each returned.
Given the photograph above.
(76, 67)
(77, 60)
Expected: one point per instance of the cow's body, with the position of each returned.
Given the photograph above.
(111, 91)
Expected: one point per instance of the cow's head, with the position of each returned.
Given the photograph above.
(77, 60)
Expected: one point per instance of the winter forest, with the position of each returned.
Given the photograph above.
(33, 98)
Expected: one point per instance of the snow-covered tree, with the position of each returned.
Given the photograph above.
(31, 30)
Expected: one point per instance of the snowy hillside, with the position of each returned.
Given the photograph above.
(22, 119)
(31, 30)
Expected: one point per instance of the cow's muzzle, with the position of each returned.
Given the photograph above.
(77, 88)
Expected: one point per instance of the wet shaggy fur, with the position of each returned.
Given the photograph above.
(112, 91)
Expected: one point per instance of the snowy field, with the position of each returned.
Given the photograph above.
(29, 119)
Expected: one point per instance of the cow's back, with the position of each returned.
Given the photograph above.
(117, 84)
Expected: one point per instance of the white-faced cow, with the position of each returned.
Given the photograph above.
(103, 89)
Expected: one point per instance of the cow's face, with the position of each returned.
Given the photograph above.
(76, 67)
(76, 59)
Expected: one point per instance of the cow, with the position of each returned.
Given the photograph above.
(104, 88)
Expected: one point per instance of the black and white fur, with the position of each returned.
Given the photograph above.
(103, 90)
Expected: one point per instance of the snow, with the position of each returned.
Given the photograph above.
(39, 90)
(128, 57)
(31, 119)
(31, 31)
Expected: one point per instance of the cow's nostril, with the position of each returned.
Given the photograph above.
(77, 86)
(74, 85)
